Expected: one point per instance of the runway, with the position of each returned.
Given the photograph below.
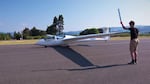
(95, 62)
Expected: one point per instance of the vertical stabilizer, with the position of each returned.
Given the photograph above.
(106, 30)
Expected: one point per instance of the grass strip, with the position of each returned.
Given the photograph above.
(16, 42)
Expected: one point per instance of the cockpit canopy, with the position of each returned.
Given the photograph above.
(53, 37)
(49, 37)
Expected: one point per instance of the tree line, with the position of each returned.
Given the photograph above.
(33, 33)
(27, 33)
(36, 33)
(5, 36)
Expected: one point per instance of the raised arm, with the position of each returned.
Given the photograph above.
(123, 26)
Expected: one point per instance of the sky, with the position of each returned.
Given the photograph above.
(15, 15)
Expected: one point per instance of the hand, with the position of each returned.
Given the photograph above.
(121, 22)
(122, 25)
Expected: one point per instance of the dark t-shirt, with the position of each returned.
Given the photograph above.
(134, 33)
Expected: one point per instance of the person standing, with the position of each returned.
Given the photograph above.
(134, 32)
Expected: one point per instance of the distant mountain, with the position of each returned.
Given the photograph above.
(142, 29)
(72, 33)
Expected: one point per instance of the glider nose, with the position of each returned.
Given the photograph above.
(40, 42)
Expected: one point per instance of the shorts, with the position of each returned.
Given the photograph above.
(133, 44)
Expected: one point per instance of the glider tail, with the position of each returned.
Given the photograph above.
(106, 31)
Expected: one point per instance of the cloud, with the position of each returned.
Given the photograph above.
(24, 24)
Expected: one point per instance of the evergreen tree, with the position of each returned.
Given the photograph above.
(52, 28)
(34, 32)
(61, 19)
(26, 32)
(17, 35)
(55, 20)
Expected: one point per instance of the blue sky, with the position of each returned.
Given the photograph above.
(15, 15)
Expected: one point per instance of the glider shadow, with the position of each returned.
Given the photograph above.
(85, 68)
(97, 67)
(74, 56)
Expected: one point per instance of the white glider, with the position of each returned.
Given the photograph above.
(65, 40)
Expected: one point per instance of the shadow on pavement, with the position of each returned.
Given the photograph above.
(74, 56)
(84, 68)
(96, 67)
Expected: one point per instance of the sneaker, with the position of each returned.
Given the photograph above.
(132, 62)
(135, 61)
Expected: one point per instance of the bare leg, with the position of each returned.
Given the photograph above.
(132, 57)
(135, 54)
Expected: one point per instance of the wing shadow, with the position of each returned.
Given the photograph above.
(97, 67)
(86, 68)
(74, 56)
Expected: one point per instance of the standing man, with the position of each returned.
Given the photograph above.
(133, 41)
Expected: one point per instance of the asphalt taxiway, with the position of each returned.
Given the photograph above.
(95, 62)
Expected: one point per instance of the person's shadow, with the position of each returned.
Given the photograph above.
(96, 67)
(74, 56)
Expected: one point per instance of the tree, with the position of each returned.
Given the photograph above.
(100, 30)
(26, 32)
(8, 36)
(89, 31)
(17, 35)
(42, 33)
(5, 36)
(2, 36)
(34, 32)
(52, 28)
(84, 32)
(60, 18)
(55, 20)
(93, 31)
